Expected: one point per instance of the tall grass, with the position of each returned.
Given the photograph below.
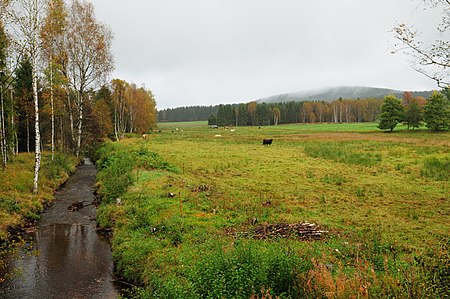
(189, 234)
(342, 153)
(116, 166)
(436, 169)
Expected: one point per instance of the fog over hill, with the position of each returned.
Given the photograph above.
(334, 93)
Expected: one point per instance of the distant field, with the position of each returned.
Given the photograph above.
(382, 197)
(172, 125)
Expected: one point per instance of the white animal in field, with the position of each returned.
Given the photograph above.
(217, 135)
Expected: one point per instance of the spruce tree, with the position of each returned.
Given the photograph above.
(392, 113)
(437, 111)
(413, 115)
(212, 120)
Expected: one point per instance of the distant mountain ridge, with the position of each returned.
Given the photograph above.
(334, 93)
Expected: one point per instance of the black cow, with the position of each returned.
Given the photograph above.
(267, 141)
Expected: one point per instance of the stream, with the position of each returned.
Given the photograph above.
(65, 257)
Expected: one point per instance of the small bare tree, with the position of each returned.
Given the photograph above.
(89, 54)
(431, 60)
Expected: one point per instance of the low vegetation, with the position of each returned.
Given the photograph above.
(187, 210)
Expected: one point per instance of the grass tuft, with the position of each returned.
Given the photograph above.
(436, 169)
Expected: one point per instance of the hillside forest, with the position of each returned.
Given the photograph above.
(411, 110)
(54, 63)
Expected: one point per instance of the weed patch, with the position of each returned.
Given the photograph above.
(116, 166)
(436, 169)
(246, 269)
(342, 153)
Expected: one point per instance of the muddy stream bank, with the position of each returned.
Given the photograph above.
(66, 257)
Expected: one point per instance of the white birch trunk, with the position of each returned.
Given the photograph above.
(69, 104)
(80, 122)
(34, 54)
(115, 124)
(61, 124)
(15, 142)
(28, 133)
(52, 107)
(2, 132)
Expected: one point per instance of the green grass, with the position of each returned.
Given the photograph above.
(185, 229)
(17, 203)
(438, 169)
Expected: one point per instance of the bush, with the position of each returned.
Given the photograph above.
(60, 165)
(9, 204)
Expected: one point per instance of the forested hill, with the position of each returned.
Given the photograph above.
(197, 113)
(333, 93)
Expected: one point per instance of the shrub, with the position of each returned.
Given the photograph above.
(9, 204)
(60, 165)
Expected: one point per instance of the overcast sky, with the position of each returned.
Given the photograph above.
(207, 52)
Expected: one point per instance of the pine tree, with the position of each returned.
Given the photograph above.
(413, 114)
(437, 111)
(212, 120)
(392, 113)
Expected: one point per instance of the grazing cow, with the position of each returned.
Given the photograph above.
(267, 141)
(144, 136)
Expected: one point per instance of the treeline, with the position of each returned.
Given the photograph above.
(183, 114)
(54, 63)
(434, 113)
(263, 114)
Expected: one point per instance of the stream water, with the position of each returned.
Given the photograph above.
(66, 257)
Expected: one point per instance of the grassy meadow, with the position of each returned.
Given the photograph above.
(192, 207)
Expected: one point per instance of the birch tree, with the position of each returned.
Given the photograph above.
(26, 20)
(120, 108)
(3, 48)
(89, 55)
(52, 34)
(276, 115)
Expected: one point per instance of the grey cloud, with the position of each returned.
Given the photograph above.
(215, 51)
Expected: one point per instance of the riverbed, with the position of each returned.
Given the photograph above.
(65, 256)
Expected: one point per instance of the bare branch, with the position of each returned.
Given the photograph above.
(431, 60)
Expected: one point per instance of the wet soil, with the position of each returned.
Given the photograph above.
(65, 257)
